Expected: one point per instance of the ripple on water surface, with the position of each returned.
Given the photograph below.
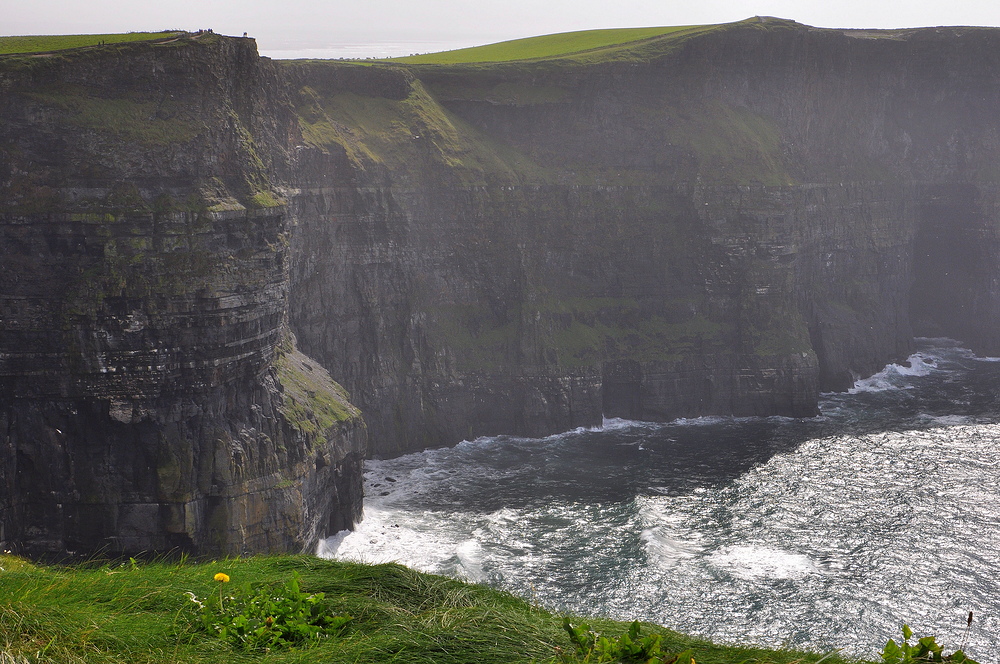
(821, 533)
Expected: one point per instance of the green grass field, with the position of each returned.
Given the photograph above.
(44, 43)
(139, 613)
(546, 46)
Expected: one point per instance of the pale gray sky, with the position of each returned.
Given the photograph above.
(418, 25)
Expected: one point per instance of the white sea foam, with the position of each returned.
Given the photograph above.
(419, 542)
(617, 424)
(757, 562)
(894, 376)
(470, 560)
(946, 420)
(666, 549)
(327, 548)
(705, 420)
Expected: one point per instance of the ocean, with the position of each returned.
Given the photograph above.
(821, 533)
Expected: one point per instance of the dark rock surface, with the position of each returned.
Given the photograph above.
(150, 394)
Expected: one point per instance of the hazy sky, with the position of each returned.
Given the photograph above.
(300, 24)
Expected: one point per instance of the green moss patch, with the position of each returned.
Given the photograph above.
(508, 93)
(265, 199)
(415, 136)
(311, 401)
(733, 145)
(145, 122)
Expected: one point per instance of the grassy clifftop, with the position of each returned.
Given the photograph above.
(592, 46)
(591, 42)
(135, 613)
(44, 43)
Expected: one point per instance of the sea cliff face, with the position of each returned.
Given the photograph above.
(722, 221)
(150, 394)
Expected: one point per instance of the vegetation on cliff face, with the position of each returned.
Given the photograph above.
(310, 400)
(541, 122)
(142, 121)
(135, 613)
(413, 137)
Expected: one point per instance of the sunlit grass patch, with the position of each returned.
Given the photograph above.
(44, 43)
(545, 46)
(139, 613)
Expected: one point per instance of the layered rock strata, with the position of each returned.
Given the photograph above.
(150, 394)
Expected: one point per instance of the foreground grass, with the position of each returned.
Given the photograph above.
(137, 612)
(44, 43)
(546, 46)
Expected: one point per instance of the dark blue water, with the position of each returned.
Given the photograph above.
(823, 533)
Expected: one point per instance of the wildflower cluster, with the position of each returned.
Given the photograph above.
(263, 617)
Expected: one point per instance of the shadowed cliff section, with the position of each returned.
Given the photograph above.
(723, 220)
(150, 394)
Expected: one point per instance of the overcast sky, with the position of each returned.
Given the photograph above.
(329, 24)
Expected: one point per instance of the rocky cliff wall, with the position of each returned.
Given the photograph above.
(150, 394)
(724, 223)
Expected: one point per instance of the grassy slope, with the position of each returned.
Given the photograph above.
(414, 135)
(547, 46)
(43, 43)
(731, 144)
(134, 613)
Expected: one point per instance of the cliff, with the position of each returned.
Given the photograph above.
(721, 220)
(150, 394)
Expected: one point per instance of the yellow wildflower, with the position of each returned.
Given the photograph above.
(222, 578)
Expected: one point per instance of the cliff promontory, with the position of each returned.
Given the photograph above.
(716, 220)
(150, 393)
